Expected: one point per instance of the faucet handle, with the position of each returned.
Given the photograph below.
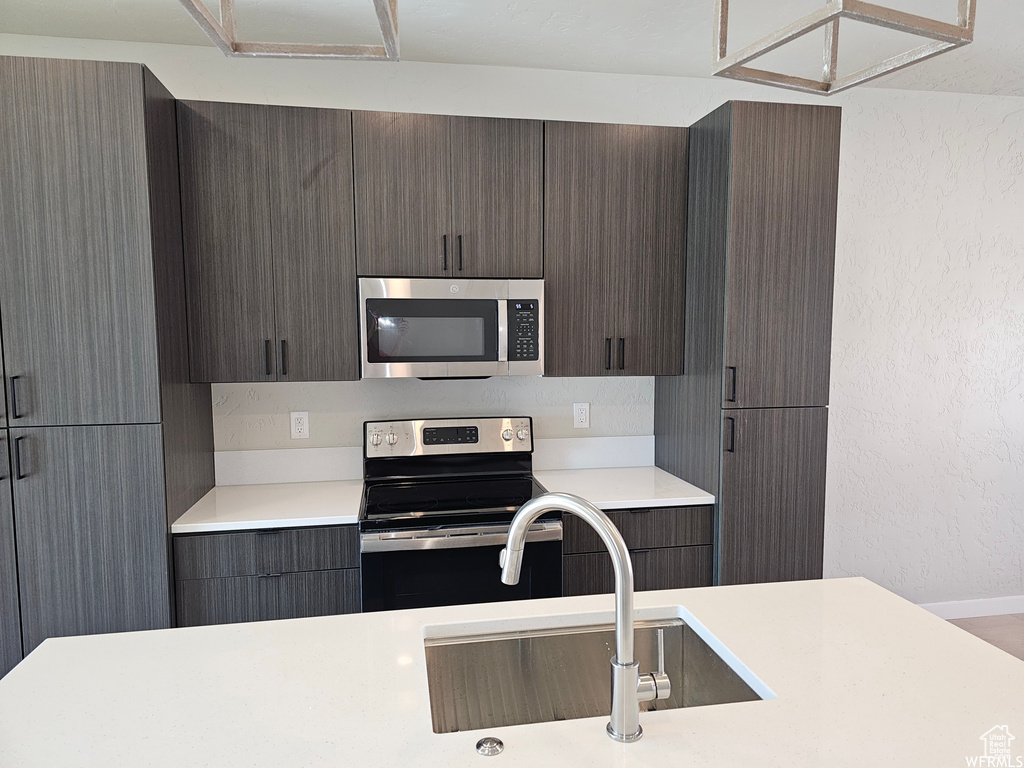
(654, 685)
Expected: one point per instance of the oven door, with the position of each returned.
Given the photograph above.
(454, 566)
(433, 328)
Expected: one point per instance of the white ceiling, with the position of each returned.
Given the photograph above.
(650, 37)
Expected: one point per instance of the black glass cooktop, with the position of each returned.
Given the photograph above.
(439, 502)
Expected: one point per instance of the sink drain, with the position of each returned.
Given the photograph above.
(489, 746)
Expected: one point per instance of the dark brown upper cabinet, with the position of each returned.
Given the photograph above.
(314, 246)
(441, 196)
(615, 242)
(497, 197)
(781, 237)
(76, 276)
(269, 244)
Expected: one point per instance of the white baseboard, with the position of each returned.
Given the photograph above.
(310, 465)
(969, 609)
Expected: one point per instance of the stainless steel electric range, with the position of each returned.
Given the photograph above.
(438, 497)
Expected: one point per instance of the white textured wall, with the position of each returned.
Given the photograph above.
(925, 491)
(249, 416)
(926, 463)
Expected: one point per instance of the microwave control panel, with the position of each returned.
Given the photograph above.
(523, 329)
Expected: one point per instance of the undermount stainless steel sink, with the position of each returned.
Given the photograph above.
(541, 674)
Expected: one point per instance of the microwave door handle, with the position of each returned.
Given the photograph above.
(502, 330)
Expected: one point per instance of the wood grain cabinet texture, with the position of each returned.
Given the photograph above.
(10, 614)
(91, 530)
(264, 575)
(615, 245)
(781, 255)
(111, 440)
(267, 598)
(773, 494)
(269, 242)
(440, 196)
(747, 421)
(76, 277)
(647, 528)
(671, 548)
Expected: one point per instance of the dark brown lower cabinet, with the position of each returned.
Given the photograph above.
(90, 516)
(773, 494)
(671, 548)
(668, 568)
(264, 598)
(10, 616)
(283, 573)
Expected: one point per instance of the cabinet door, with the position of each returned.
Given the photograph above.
(260, 553)
(314, 243)
(773, 494)
(222, 601)
(653, 206)
(91, 530)
(226, 223)
(10, 616)
(643, 529)
(317, 593)
(785, 169)
(403, 194)
(585, 267)
(497, 197)
(667, 568)
(76, 277)
(289, 550)
(615, 222)
(267, 598)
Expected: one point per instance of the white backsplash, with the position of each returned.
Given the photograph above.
(256, 416)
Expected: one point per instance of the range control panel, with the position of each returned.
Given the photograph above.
(450, 435)
(523, 329)
(431, 437)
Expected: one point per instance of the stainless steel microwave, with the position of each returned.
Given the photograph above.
(438, 328)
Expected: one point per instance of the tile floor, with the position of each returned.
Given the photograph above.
(1006, 632)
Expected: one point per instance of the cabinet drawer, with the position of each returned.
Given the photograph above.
(671, 568)
(264, 598)
(643, 529)
(281, 550)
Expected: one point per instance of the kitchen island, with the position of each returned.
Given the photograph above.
(860, 678)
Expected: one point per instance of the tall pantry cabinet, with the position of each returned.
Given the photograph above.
(748, 420)
(108, 441)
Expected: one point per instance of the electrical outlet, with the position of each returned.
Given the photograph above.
(300, 425)
(581, 415)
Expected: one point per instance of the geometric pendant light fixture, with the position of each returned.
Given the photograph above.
(941, 37)
(222, 32)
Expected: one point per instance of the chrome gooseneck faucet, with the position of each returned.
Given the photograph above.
(629, 687)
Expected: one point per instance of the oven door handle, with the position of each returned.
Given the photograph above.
(454, 538)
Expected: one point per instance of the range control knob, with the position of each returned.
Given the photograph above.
(522, 434)
(375, 438)
(506, 435)
(391, 438)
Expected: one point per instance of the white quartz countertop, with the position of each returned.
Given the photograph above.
(625, 487)
(287, 505)
(861, 678)
(272, 505)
